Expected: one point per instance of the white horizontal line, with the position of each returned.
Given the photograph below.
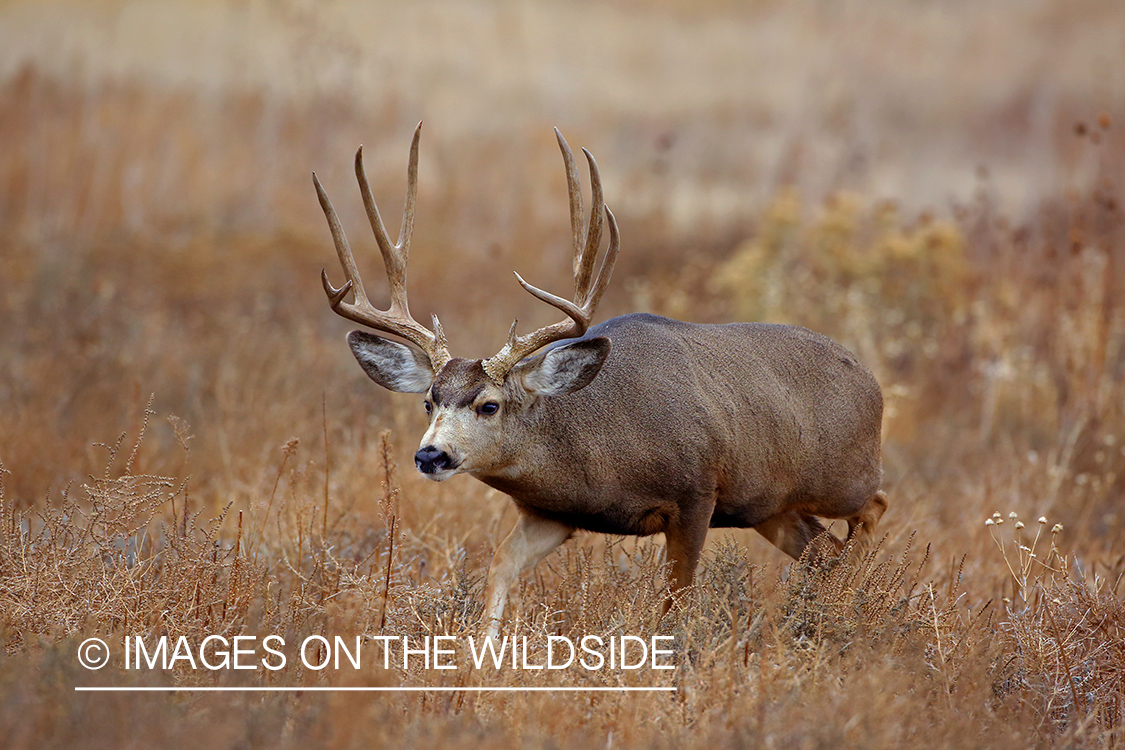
(403, 689)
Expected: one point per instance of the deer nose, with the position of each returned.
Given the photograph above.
(430, 460)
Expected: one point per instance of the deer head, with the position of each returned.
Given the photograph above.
(481, 412)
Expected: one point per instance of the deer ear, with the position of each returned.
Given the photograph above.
(396, 367)
(564, 369)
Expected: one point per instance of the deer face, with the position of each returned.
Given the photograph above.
(477, 425)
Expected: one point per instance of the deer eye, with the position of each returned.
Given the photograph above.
(429, 406)
(488, 408)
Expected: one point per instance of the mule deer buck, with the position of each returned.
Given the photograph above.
(639, 425)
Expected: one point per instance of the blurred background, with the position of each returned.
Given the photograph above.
(935, 184)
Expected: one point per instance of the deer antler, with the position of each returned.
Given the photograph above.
(587, 290)
(396, 319)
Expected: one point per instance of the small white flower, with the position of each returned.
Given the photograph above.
(1019, 524)
(989, 522)
(1057, 529)
(1013, 515)
(1042, 519)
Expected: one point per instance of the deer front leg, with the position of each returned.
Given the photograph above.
(532, 539)
(684, 544)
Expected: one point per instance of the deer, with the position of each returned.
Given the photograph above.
(639, 425)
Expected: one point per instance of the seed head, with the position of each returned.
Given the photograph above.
(291, 446)
(1057, 528)
(1042, 519)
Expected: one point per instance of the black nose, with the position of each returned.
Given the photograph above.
(430, 460)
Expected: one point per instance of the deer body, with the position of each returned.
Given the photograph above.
(640, 425)
(734, 423)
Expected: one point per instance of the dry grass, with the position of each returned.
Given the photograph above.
(160, 237)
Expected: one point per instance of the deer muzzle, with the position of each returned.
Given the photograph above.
(432, 460)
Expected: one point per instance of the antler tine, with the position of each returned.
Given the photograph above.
(407, 229)
(396, 319)
(587, 295)
(584, 262)
(377, 228)
(343, 252)
(608, 262)
(395, 257)
(577, 314)
(574, 189)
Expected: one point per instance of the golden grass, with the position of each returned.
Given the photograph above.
(161, 237)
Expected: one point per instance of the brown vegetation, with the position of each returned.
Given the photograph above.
(162, 237)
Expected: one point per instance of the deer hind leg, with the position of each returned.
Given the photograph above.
(529, 541)
(792, 531)
(861, 526)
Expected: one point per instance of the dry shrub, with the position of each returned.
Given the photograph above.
(1065, 634)
(869, 260)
